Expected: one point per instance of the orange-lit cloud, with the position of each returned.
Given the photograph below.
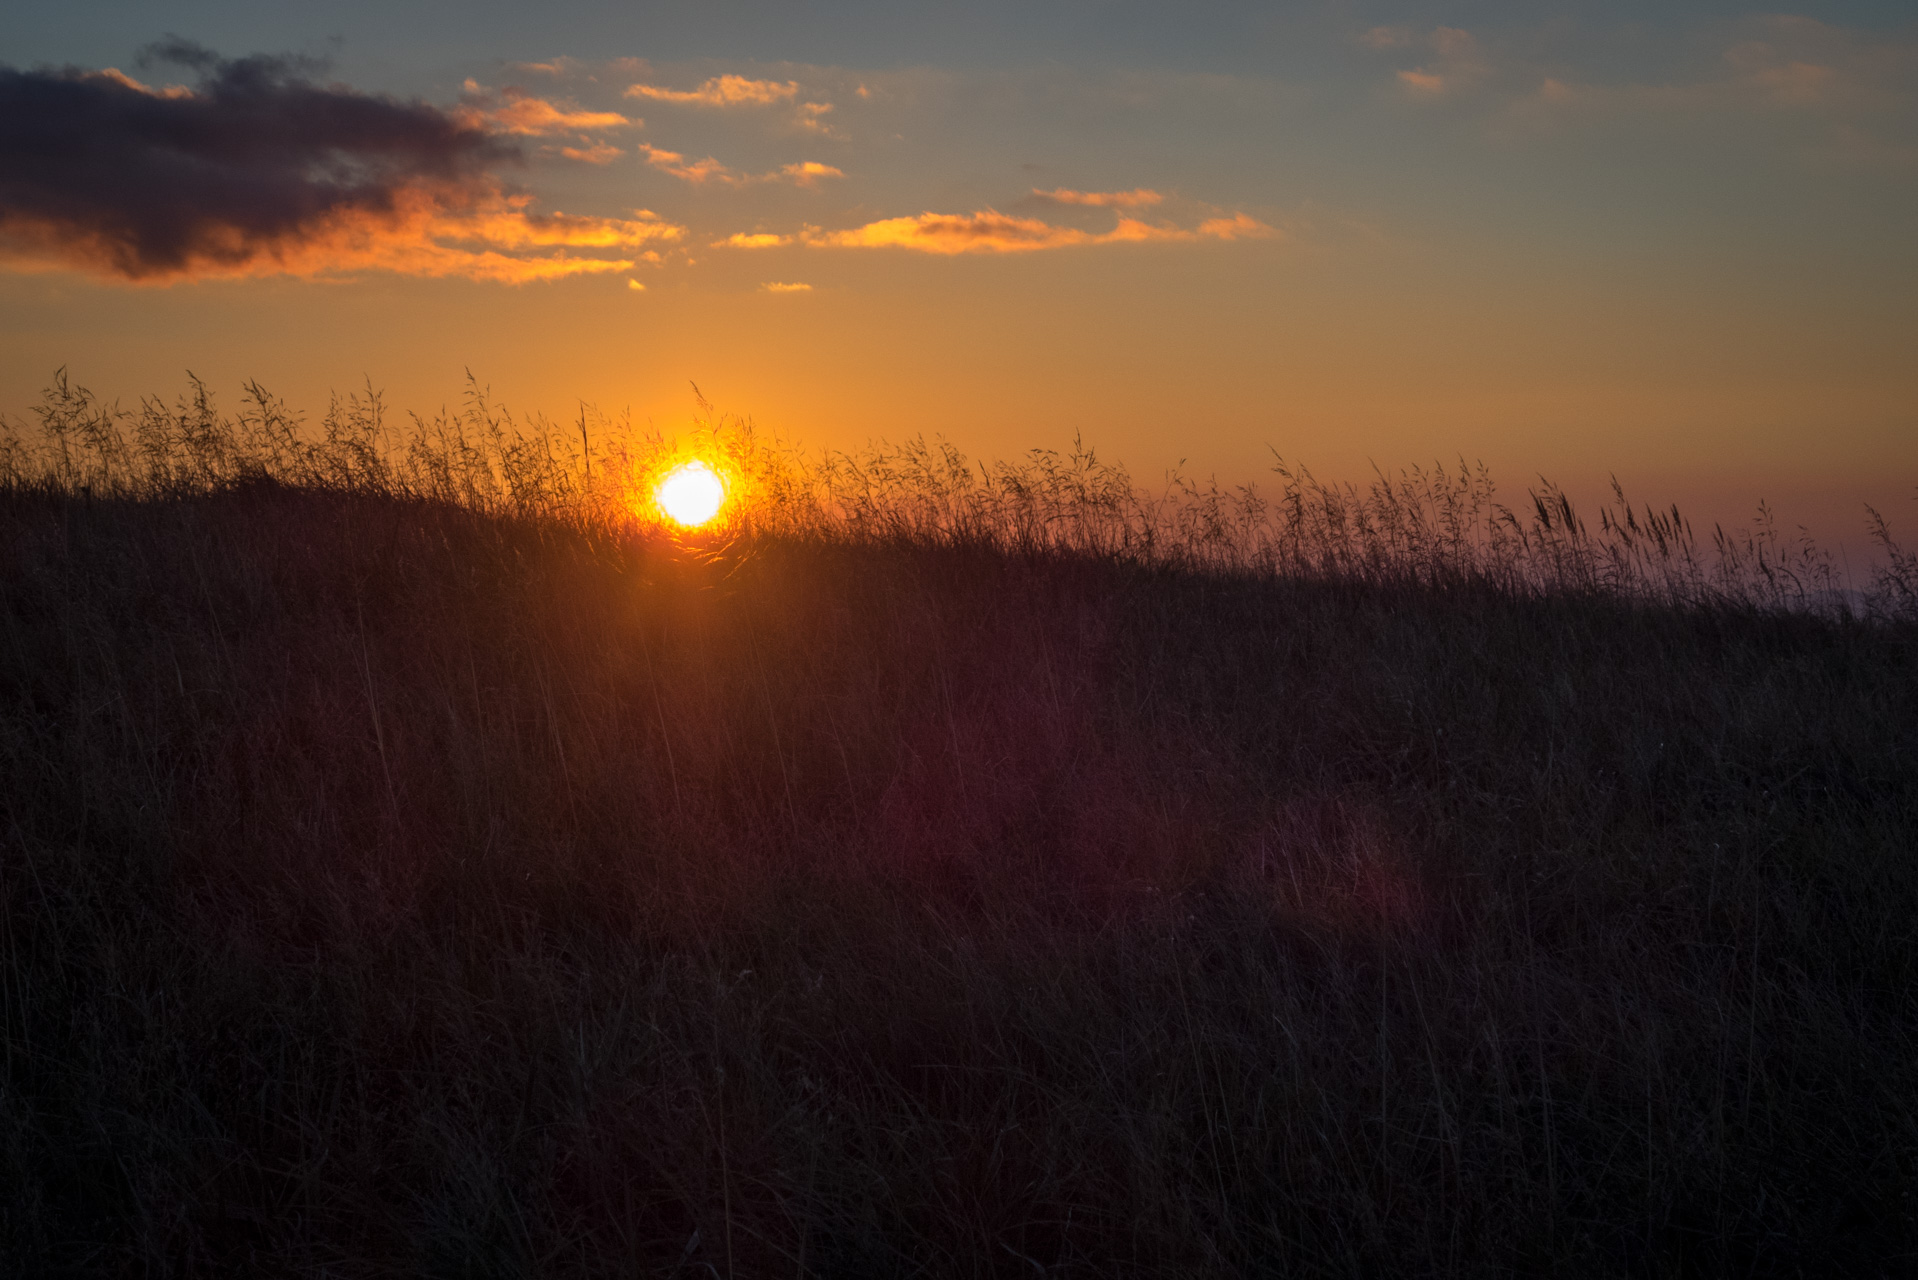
(1136, 199)
(807, 173)
(774, 286)
(517, 112)
(985, 232)
(484, 235)
(599, 153)
(752, 240)
(502, 221)
(990, 231)
(812, 116)
(490, 237)
(729, 91)
(191, 192)
(722, 91)
(697, 172)
(1239, 226)
(259, 171)
(126, 81)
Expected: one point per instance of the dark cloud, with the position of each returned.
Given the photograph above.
(249, 164)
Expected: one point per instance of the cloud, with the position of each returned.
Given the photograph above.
(1803, 63)
(635, 286)
(505, 223)
(1239, 226)
(257, 170)
(492, 237)
(486, 235)
(1458, 63)
(989, 231)
(752, 240)
(730, 91)
(722, 91)
(599, 153)
(1101, 199)
(985, 232)
(807, 173)
(811, 116)
(516, 112)
(774, 286)
(121, 78)
(697, 172)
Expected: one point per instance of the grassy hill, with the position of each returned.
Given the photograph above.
(401, 879)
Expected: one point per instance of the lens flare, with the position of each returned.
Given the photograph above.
(691, 494)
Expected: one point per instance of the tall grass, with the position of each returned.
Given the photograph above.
(1432, 526)
(417, 860)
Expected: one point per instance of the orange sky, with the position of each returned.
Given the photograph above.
(1687, 262)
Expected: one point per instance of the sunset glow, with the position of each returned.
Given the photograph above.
(1232, 638)
(691, 494)
(1671, 245)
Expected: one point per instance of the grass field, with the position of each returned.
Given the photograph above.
(418, 861)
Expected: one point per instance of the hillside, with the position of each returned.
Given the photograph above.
(393, 886)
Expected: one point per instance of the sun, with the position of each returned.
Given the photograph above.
(691, 494)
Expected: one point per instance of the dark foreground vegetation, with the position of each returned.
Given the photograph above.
(397, 882)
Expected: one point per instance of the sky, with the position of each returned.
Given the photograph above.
(1671, 244)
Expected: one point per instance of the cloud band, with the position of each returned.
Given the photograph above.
(258, 170)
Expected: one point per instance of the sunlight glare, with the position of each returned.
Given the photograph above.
(691, 494)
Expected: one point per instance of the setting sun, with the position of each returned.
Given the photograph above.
(780, 622)
(691, 494)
